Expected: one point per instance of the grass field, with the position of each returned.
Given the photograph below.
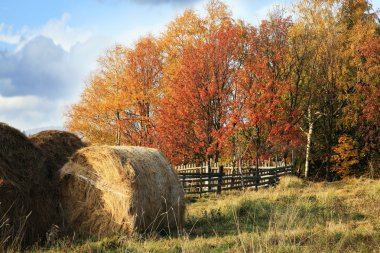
(296, 216)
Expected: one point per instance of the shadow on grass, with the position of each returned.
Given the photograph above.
(258, 215)
(248, 216)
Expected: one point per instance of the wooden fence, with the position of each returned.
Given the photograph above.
(198, 180)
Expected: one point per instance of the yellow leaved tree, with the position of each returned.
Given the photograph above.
(346, 155)
(117, 106)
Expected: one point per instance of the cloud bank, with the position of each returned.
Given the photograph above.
(45, 73)
(43, 69)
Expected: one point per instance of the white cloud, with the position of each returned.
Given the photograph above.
(46, 72)
(63, 34)
(10, 39)
(58, 30)
(26, 112)
(42, 79)
(18, 102)
(7, 35)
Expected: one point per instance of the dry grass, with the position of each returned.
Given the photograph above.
(14, 218)
(297, 216)
(117, 190)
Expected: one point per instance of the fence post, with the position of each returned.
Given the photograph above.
(257, 180)
(276, 177)
(183, 177)
(233, 178)
(242, 180)
(275, 180)
(293, 171)
(209, 171)
(220, 180)
(200, 183)
(241, 175)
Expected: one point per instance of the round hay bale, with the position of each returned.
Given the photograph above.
(109, 190)
(15, 215)
(22, 164)
(21, 173)
(57, 147)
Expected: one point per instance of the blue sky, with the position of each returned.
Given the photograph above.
(48, 48)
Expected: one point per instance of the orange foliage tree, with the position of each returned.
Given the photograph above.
(119, 101)
(263, 122)
(346, 155)
(214, 87)
(198, 103)
(96, 115)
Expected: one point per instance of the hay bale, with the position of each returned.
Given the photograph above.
(21, 171)
(107, 190)
(57, 147)
(22, 162)
(15, 213)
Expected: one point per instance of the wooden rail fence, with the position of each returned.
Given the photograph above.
(198, 180)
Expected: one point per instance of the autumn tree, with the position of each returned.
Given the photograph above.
(215, 87)
(369, 104)
(118, 103)
(144, 72)
(96, 116)
(315, 40)
(324, 42)
(345, 155)
(361, 117)
(265, 119)
(197, 105)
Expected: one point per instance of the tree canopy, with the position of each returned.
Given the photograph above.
(213, 86)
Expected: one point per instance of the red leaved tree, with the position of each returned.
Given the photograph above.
(198, 104)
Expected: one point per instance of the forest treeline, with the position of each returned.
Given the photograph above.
(216, 87)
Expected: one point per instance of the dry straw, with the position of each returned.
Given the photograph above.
(20, 159)
(21, 170)
(118, 190)
(57, 147)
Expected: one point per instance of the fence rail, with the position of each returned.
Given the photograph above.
(198, 180)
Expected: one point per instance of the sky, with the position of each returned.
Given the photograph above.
(49, 48)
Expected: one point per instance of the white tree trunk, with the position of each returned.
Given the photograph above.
(308, 144)
(118, 129)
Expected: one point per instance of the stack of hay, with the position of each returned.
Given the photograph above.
(119, 190)
(52, 179)
(21, 169)
(57, 147)
(28, 203)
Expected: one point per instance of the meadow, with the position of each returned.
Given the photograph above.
(295, 216)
